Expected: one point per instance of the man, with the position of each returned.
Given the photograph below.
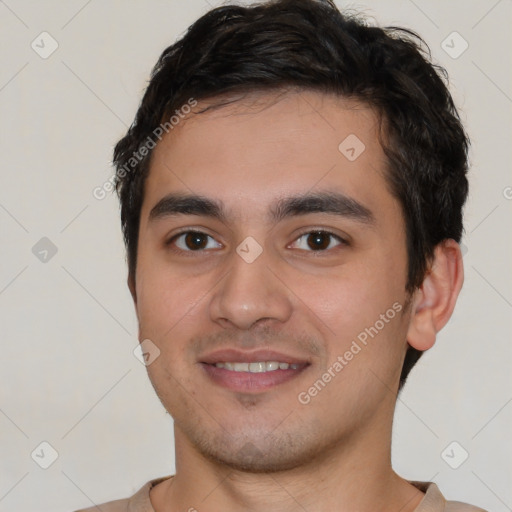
(291, 199)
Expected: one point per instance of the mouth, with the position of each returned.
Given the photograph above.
(257, 366)
(251, 372)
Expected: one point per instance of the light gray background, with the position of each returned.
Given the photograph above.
(68, 374)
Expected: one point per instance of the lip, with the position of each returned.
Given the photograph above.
(247, 382)
(233, 355)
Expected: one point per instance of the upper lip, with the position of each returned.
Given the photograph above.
(233, 355)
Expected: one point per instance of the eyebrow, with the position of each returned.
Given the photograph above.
(333, 203)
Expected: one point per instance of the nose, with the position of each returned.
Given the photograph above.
(249, 292)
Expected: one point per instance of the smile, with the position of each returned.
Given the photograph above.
(257, 367)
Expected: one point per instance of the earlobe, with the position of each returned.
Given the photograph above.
(434, 301)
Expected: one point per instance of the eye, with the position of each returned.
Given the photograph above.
(191, 241)
(319, 240)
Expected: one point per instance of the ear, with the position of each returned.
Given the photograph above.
(435, 300)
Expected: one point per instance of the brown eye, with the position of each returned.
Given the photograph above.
(318, 240)
(195, 241)
(191, 241)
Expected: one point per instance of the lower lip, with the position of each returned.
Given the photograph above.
(247, 381)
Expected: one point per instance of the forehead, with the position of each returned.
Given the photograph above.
(268, 145)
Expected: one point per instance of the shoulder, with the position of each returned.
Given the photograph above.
(458, 506)
(111, 506)
(138, 502)
(434, 501)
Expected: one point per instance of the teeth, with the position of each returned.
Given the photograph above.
(257, 367)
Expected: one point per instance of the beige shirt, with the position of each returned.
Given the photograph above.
(433, 501)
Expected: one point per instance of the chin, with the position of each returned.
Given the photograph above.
(259, 453)
(250, 459)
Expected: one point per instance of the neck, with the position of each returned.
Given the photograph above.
(354, 474)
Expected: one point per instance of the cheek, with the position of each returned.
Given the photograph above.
(163, 299)
(347, 299)
(361, 303)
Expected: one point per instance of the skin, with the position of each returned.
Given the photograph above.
(261, 451)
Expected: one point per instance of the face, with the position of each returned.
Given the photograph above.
(271, 277)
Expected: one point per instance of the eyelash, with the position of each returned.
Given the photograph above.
(314, 231)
